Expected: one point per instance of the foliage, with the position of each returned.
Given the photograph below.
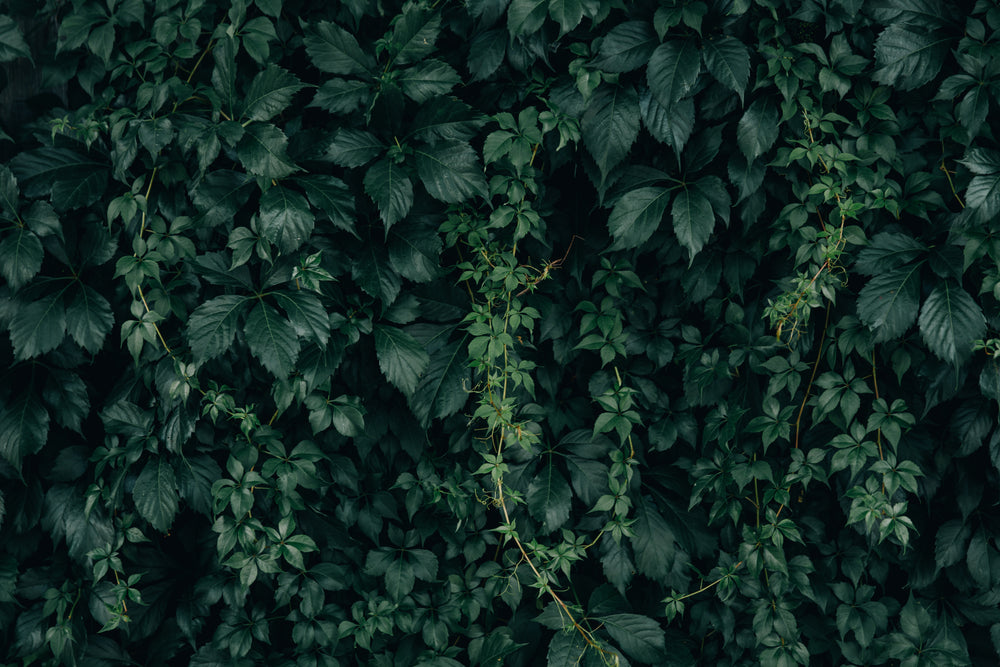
(521, 332)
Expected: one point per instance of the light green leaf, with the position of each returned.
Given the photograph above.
(728, 60)
(610, 125)
(907, 57)
(889, 303)
(758, 129)
(89, 318)
(526, 16)
(272, 339)
(220, 195)
(637, 215)
(270, 93)
(262, 152)
(389, 186)
(20, 257)
(549, 498)
(693, 219)
(950, 321)
(38, 327)
(24, 427)
(212, 325)
(285, 218)
(414, 33)
(427, 80)
(155, 494)
(354, 148)
(451, 171)
(400, 357)
(336, 51)
(640, 637)
(332, 197)
(673, 70)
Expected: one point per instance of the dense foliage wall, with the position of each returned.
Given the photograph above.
(500, 332)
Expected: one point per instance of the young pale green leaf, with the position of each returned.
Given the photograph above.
(640, 637)
(610, 125)
(889, 303)
(428, 80)
(262, 151)
(220, 195)
(549, 498)
(89, 318)
(12, 44)
(414, 33)
(307, 315)
(38, 327)
(24, 427)
(389, 186)
(626, 47)
(270, 93)
(450, 171)
(728, 60)
(636, 215)
(693, 219)
(400, 357)
(354, 148)
(285, 218)
(443, 387)
(272, 339)
(950, 320)
(907, 57)
(526, 16)
(212, 325)
(155, 494)
(336, 51)
(758, 129)
(20, 257)
(673, 70)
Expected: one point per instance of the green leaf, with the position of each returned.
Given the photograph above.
(270, 93)
(568, 13)
(444, 387)
(12, 44)
(450, 171)
(610, 125)
(626, 47)
(389, 186)
(670, 126)
(342, 96)
(400, 357)
(447, 120)
(950, 321)
(673, 70)
(414, 33)
(567, 649)
(949, 543)
(428, 80)
(155, 494)
(38, 327)
(333, 199)
(306, 314)
(336, 51)
(982, 161)
(978, 559)
(637, 215)
(224, 74)
(373, 274)
(285, 218)
(653, 543)
(888, 251)
(220, 195)
(415, 250)
(889, 303)
(640, 637)
(983, 196)
(66, 393)
(24, 427)
(486, 53)
(693, 219)
(262, 150)
(908, 58)
(272, 339)
(549, 498)
(728, 60)
(354, 148)
(212, 325)
(20, 257)
(89, 318)
(73, 180)
(758, 129)
(399, 579)
(526, 16)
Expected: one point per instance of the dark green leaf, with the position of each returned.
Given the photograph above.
(270, 93)
(342, 96)
(373, 273)
(428, 80)
(549, 498)
(12, 44)
(224, 74)
(306, 314)
(526, 16)
(693, 219)
(272, 339)
(212, 325)
(89, 318)
(637, 215)
(155, 494)
(332, 197)
(671, 126)
(354, 148)
(653, 544)
(73, 180)
(950, 320)
(626, 47)
(889, 303)
(414, 251)
(448, 119)
(486, 53)
(220, 195)
(400, 357)
(568, 13)
(336, 51)
(388, 184)
(610, 125)
(450, 171)
(195, 476)
(285, 218)
(24, 427)
(566, 649)
(414, 33)
(66, 393)
(639, 636)
(982, 161)
(20, 257)
(887, 251)
(949, 544)
(262, 150)
(444, 386)
(758, 129)
(983, 196)
(673, 70)
(907, 57)
(728, 60)
(38, 327)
